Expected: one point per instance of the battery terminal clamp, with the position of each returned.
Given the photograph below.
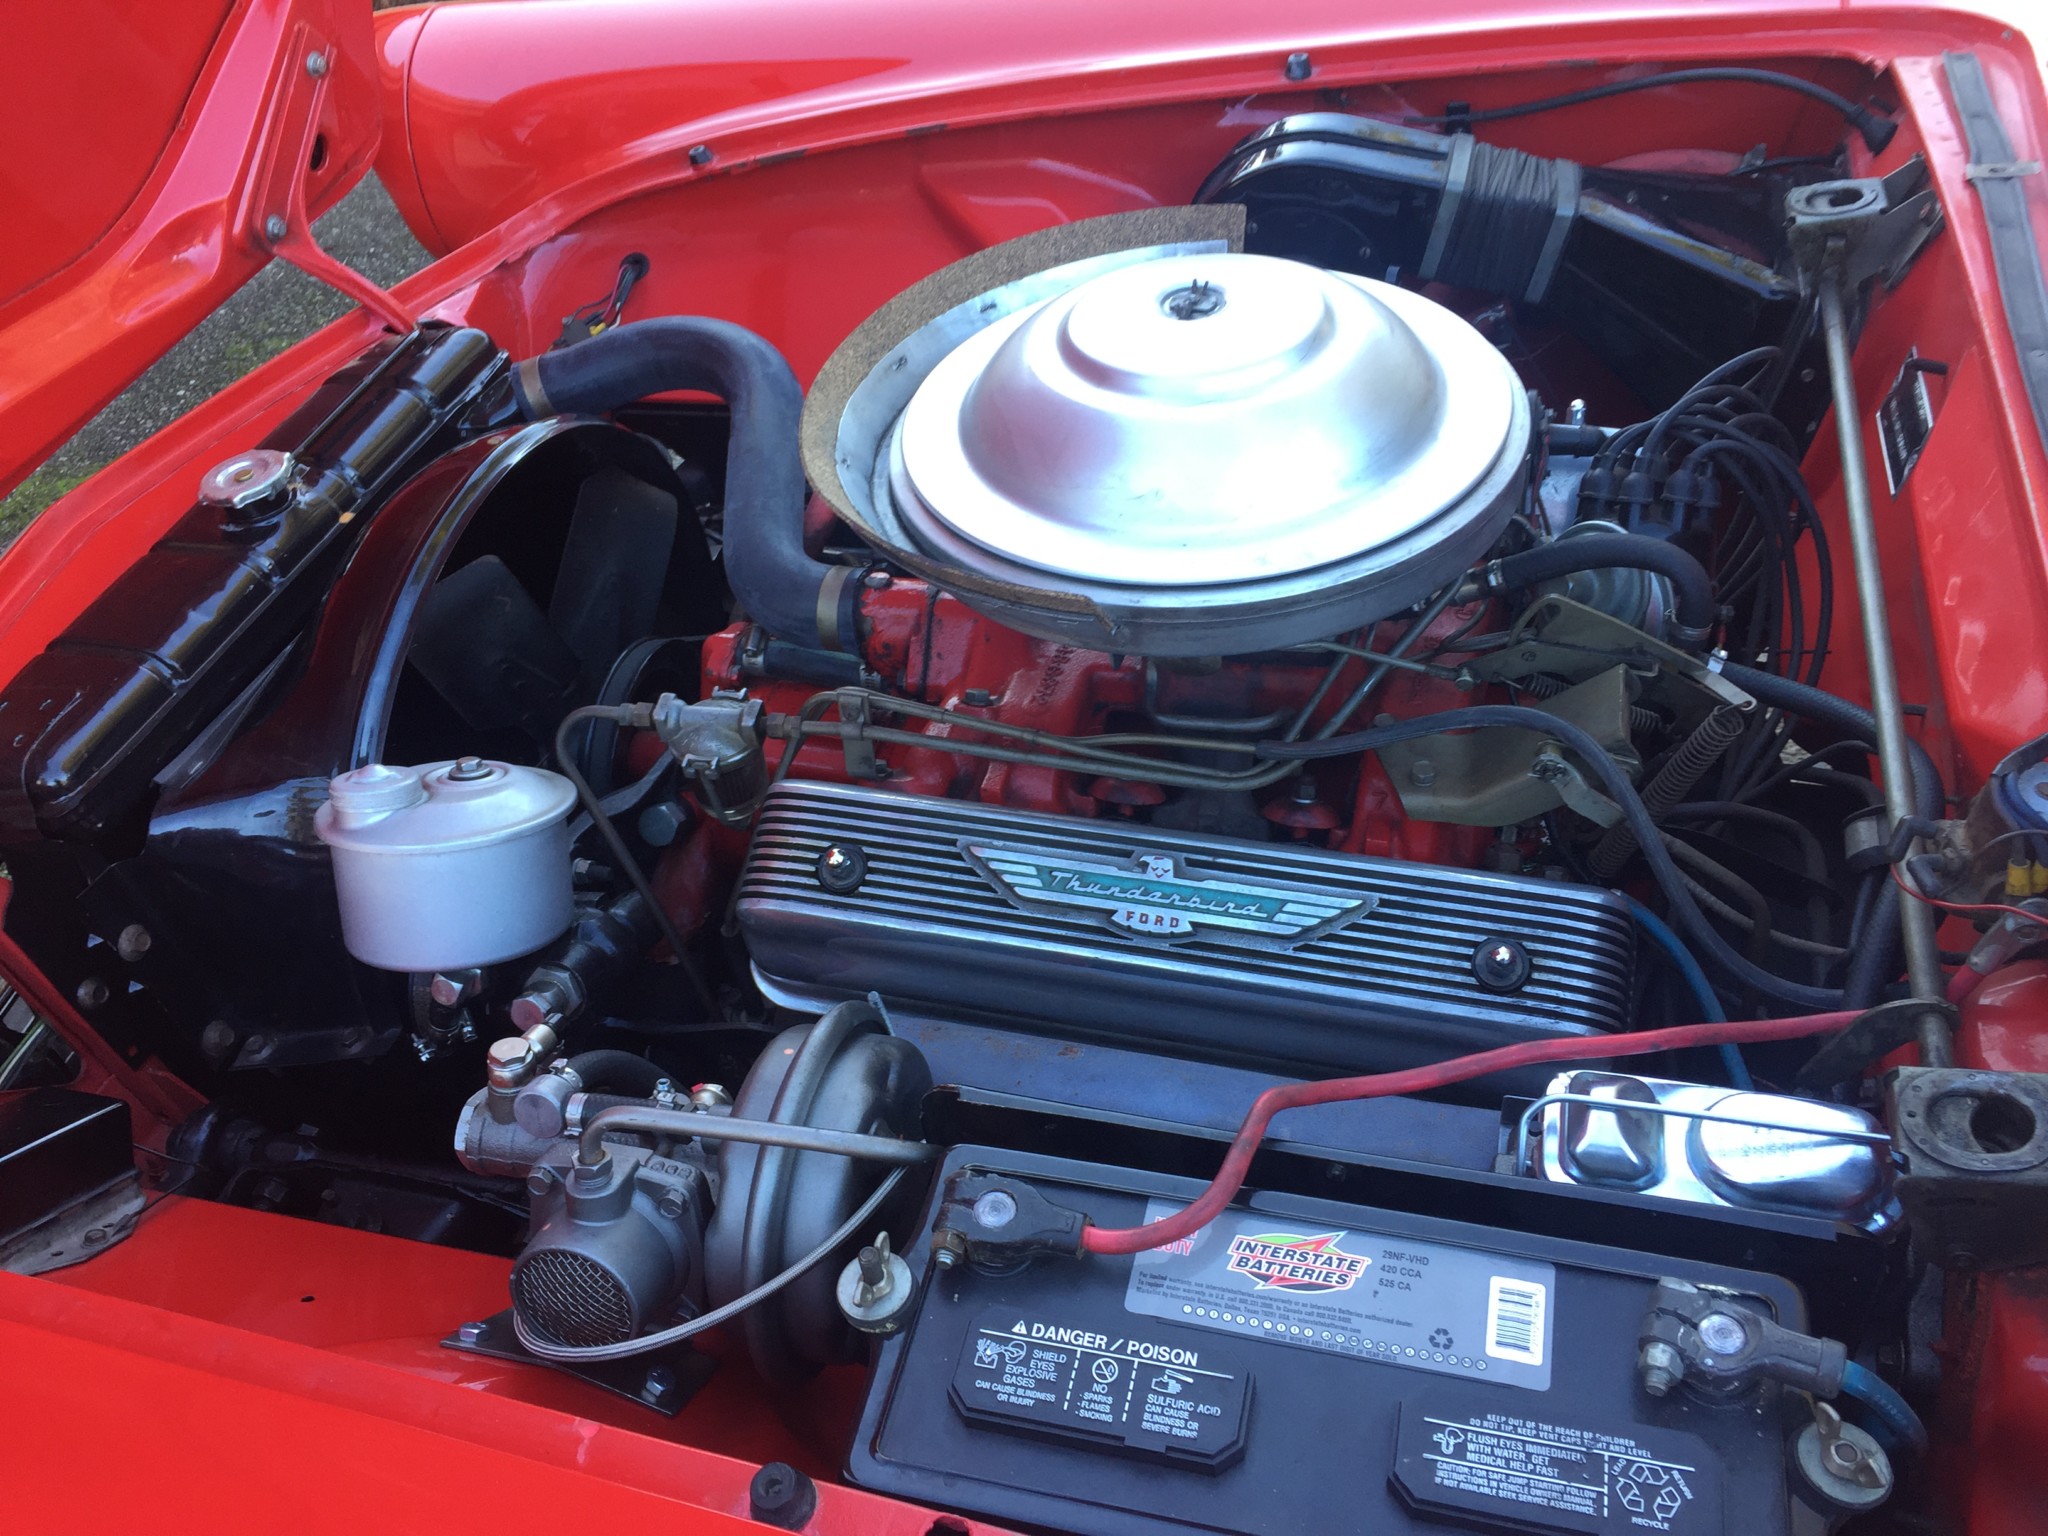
(998, 1223)
(1725, 1348)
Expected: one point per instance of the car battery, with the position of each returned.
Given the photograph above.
(1299, 1365)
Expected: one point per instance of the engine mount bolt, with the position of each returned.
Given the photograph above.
(1660, 1368)
(1500, 965)
(842, 867)
(1299, 67)
(996, 1209)
(1722, 1334)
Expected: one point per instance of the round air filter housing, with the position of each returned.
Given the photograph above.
(1188, 453)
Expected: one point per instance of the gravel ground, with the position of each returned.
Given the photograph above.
(277, 307)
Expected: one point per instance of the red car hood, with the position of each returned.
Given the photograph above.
(134, 223)
(141, 173)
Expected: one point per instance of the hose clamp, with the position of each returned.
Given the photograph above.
(532, 395)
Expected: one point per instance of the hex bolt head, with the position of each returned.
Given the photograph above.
(659, 1382)
(1299, 67)
(1422, 773)
(700, 154)
(508, 1052)
(662, 823)
(948, 1249)
(316, 64)
(275, 228)
(539, 1181)
(451, 989)
(471, 1333)
(1660, 1368)
(1722, 1334)
(780, 1495)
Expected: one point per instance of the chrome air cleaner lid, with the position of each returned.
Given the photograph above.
(1174, 450)
(1203, 419)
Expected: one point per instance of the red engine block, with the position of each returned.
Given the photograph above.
(927, 645)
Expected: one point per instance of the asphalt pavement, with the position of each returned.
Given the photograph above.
(277, 307)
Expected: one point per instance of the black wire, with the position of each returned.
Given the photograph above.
(1865, 121)
(565, 761)
(1594, 758)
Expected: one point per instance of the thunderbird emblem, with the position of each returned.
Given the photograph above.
(1157, 897)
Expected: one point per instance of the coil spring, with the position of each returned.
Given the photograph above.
(1683, 769)
(1642, 720)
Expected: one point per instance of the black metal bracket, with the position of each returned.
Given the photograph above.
(664, 1379)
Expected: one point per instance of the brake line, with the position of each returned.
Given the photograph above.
(1237, 1161)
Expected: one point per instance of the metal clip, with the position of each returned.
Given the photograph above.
(861, 762)
(1551, 766)
(2000, 170)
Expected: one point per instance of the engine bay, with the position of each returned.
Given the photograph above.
(1395, 632)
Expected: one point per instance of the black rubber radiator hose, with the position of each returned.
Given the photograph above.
(784, 590)
(1692, 589)
(1876, 959)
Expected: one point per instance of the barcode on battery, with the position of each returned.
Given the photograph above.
(1514, 1320)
